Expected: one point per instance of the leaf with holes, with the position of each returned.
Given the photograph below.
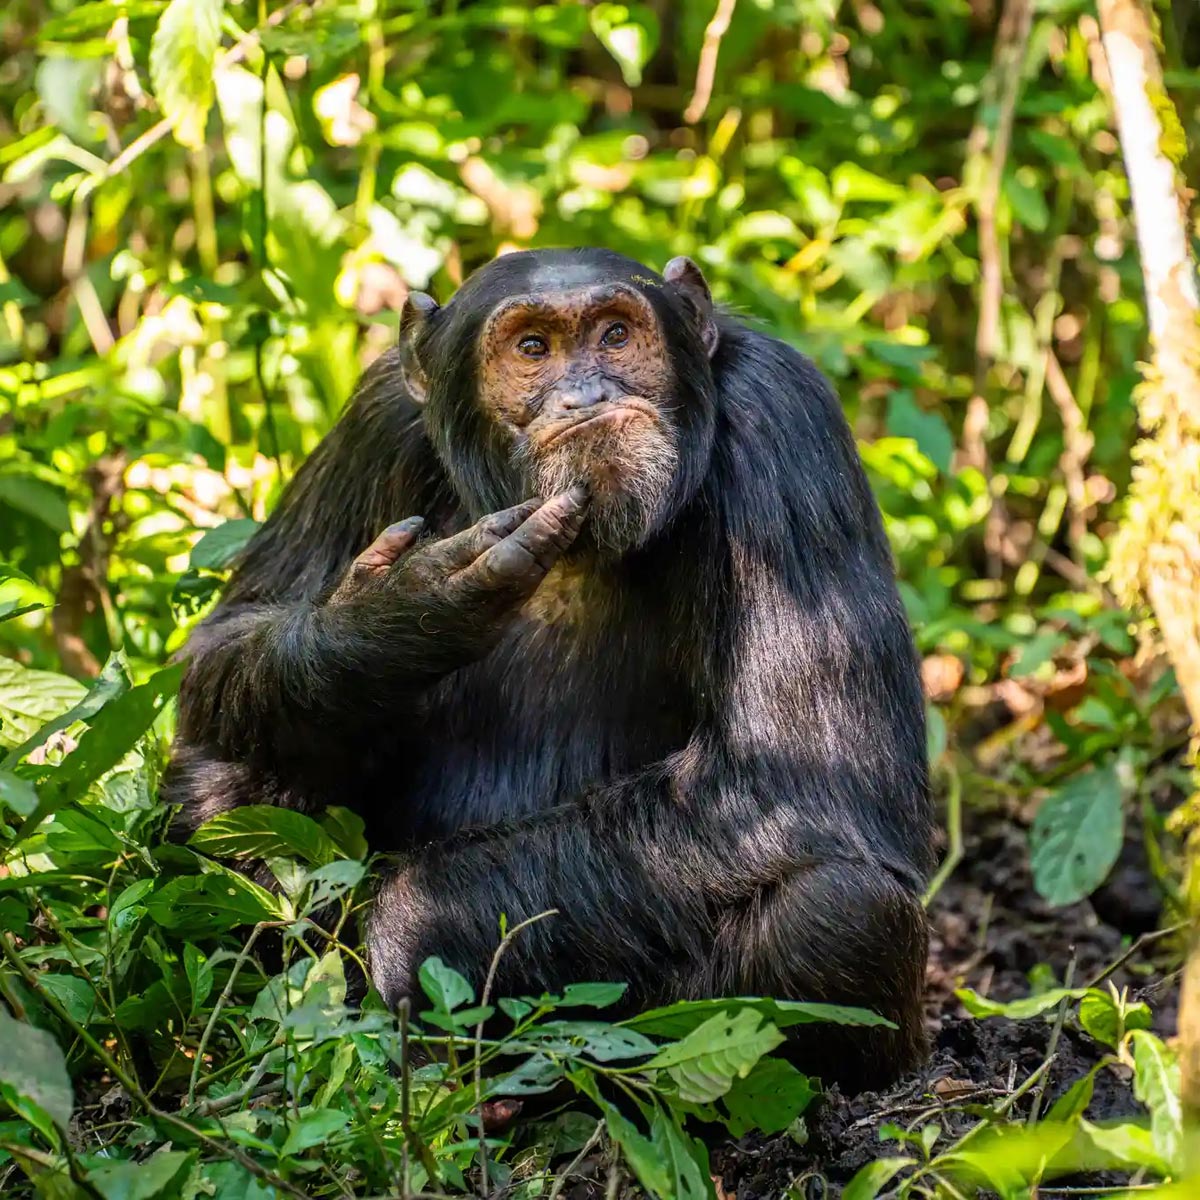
(706, 1062)
(1076, 836)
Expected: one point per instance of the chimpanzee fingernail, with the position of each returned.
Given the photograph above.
(408, 525)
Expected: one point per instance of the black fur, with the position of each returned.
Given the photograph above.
(718, 778)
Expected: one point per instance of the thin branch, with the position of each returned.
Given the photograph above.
(506, 941)
(706, 68)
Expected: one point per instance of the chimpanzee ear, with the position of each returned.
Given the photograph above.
(687, 280)
(418, 308)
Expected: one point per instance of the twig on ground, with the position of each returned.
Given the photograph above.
(1052, 1046)
(573, 1165)
(1146, 939)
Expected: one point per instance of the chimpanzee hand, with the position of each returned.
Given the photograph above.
(456, 596)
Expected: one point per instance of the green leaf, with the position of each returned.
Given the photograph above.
(1017, 1010)
(1107, 1020)
(593, 995)
(219, 547)
(347, 830)
(36, 498)
(870, 1180)
(928, 429)
(207, 904)
(593, 1039)
(17, 794)
(444, 986)
(1156, 1085)
(156, 1177)
(199, 973)
(113, 732)
(112, 682)
(769, 1099)
(1076, 836)
(264, 831)
(312, 1129)
(629, 32)
(685, 1158)
(28, 699)
(34, 1070)
(1037, 651)
(183, 52)
(705, 1063)
(76, 995)
(677, 1020)
(1073, 1103)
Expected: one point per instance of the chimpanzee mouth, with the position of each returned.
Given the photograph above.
(617, 413)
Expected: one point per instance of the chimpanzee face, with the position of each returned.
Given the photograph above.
(550, 368)
(580, 382)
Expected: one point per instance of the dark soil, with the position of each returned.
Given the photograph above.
(989, 929)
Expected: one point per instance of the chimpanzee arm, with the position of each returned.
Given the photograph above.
(782, 850)
(312, 650)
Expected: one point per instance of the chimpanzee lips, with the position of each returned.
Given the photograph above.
(607, 414)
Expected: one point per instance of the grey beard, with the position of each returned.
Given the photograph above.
(630, 487)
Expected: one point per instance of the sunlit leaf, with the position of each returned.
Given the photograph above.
(183, 52)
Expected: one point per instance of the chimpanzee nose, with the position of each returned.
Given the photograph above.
(583, 393)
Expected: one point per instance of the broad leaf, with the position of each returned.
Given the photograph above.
(219, 547)
(1076, 836)
(33, 1070)
(678, 1020)
(17, 794)
(874, 1177)
(686, 1158)
(196, 906)
(312, 1129)
(158, 1176)
(183, 52)
(1156, 1085)
(113, 732)
(1017, 1010)
(444, 985)
(705, 1063)
(264, 831)
(769, 1098)
(28, 699)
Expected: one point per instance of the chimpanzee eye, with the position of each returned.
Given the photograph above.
(615, 335)
(533, 347)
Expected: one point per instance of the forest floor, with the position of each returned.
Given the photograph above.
(989, 930)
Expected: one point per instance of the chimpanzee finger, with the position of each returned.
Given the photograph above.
(520, 562)
(387, 548)
(379, 556)
(464, 548)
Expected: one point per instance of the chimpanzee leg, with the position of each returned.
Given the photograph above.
(841, 933)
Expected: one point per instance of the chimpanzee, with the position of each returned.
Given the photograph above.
(632, 649)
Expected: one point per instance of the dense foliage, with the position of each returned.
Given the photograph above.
(211, 213)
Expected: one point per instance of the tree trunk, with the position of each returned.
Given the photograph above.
(1156, 556)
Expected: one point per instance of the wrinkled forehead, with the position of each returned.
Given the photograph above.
(568, 304)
